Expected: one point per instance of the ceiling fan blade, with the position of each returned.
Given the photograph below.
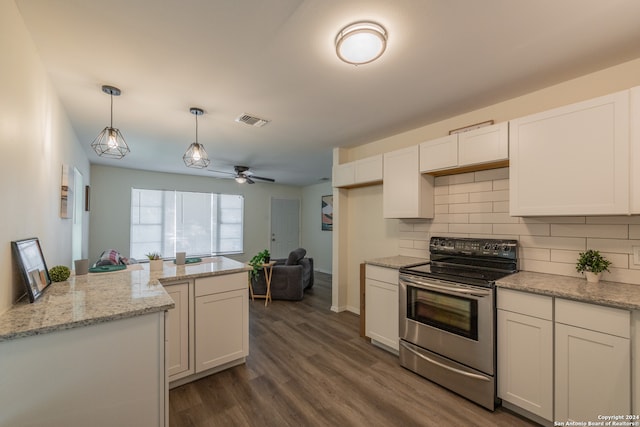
(263, 178)
(249, 180)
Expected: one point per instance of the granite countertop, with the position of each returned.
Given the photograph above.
(398, 261)
(103, 297)
(612, 294)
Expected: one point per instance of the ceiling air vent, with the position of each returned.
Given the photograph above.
(251, 120)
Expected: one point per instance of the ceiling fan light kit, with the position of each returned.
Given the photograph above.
(110, 142)
(196, 156)
(361, 42)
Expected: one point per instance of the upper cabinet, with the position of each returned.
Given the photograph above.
(485, 145)
(635, 149)
(406, 193)
(360, 172)
(572, 160)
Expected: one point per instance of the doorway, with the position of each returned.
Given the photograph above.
(285, 226)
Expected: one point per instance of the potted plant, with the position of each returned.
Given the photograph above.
(592, 264)
(155, 261)
(257, 261)
(59, 273)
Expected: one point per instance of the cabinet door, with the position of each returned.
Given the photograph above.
(592, 374)
(222, 328)
(525, 362)
(178, 331)
(343, 175)
(484, 145)
(406, 193)
(439, 154)
(382, 312)
(571, 160)
(368, 170)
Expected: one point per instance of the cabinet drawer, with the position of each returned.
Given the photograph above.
(223, 283)
(383, 274)
(597, 318)
(539, 306)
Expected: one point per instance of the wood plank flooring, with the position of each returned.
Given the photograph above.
(308, 366)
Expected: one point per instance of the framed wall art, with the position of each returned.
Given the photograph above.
(327, 213)
(33, 268)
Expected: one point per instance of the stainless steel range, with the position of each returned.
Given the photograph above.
(448, 317)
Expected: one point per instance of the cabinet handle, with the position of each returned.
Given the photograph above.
(442, 365)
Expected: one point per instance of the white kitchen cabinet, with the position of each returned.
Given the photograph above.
(221, 320)
(381, 295)
(406, 193)
(592, 361)
(358, 173)
(488, 144)
(525, 351)
(179, 325)
(572, 160)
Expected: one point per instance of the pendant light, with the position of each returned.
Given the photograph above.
(361, 42)
(196, 156)
(110, 142)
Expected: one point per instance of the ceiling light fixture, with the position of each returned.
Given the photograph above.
(241, 179)
(361, 42)
(110, 142)
(196, 156)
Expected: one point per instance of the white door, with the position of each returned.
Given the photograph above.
(285, 226)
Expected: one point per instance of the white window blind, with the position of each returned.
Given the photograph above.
(200, 224)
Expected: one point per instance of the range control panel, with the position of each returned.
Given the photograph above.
(501, 248)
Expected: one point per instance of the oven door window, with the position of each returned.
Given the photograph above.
(455, 314)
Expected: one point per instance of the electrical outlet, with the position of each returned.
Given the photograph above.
(636, 255)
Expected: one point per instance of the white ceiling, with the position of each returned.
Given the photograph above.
(276, 60)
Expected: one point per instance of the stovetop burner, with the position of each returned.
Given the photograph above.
(477, 262)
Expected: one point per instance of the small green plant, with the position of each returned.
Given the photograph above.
(154, 255)
(257, 261)
(592, 261)
(59, 273)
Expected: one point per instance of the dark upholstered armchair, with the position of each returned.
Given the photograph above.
(291, 277)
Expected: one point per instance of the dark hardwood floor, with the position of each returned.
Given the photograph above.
(307, 366)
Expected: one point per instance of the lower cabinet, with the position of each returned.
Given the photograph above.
(586, 373)
(209, 326)
(525, 351)
(381, 295)
(222, 320)
(593, 361)
(179, 356)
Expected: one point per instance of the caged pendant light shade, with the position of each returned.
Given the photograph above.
(110, 142)
(196, 156)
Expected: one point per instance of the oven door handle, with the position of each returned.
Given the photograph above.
(442, 365)
(449, 289)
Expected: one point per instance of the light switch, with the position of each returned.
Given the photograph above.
(636, 255)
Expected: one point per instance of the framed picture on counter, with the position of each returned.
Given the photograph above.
(33, 268)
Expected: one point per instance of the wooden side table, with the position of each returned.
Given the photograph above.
(268, 272)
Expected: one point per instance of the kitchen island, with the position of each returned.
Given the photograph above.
(92, 350)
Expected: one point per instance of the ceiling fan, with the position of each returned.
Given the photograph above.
(243, 175)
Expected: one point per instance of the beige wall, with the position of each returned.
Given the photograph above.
(314, 240)
(389, 237)
(36, 138)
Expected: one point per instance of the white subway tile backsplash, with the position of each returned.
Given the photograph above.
(590, 230)
(522, 229)
(476, 204)
(492, 175)
(501, 184)
(471, 207)
(472, 187)
(489, 196)
(471, 228)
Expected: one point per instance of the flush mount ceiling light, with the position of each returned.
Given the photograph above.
(361, 42)
(196, 156)
(110, 142)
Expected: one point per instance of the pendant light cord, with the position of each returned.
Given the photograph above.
(196, 128)
(111, 96)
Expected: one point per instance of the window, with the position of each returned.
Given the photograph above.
(179, 221)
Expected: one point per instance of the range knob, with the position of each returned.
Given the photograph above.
(506, 248)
